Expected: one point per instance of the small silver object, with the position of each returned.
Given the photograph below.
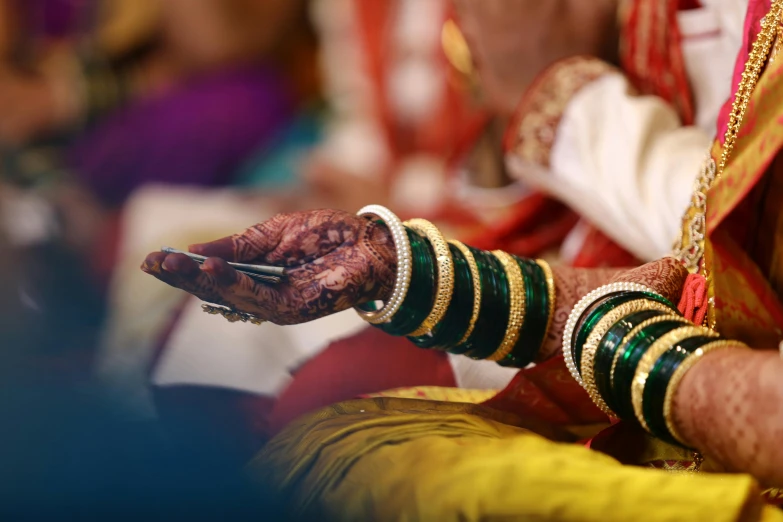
(262, 273)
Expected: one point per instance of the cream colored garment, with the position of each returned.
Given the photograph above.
(141, 306)
(210, 351)
(625, 162)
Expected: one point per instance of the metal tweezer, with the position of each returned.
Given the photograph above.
(265, 274)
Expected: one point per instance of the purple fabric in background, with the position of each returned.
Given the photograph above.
(52, 18)
(198, 134)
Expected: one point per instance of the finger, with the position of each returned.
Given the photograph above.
(250, 245)
(181, 265)
(223, 248)
(172, 269)
(161, 262)
(152, 263)
(217, 282)
(225, 275)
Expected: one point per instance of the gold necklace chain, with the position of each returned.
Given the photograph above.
(750, 76)
(689, 248)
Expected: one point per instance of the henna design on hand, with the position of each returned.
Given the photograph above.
(335, 260)
(571, 284)
(666, 276)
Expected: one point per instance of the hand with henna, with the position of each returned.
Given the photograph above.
(666, 276)
(335, 260)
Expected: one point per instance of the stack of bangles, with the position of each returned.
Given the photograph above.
(629, 348)
(451, 297)
(625, 344)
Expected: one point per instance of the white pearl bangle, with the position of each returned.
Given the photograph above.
(579, 309)
(404, 265)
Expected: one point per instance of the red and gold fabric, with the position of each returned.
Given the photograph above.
(744, 232)
(531, 136)
(650, 52)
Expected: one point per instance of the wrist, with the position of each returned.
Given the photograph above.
(639, 359)
(384, 254)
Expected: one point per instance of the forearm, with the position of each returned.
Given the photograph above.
(729, 407)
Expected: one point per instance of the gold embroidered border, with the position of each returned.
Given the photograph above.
(531, 134)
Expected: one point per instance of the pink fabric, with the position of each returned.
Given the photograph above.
(756, 11)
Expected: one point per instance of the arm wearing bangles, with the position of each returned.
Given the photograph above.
(729, 406)
(666, 276)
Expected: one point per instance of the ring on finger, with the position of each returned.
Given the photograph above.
(231, 315)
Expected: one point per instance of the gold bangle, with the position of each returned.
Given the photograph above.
(445, 264)
(580, 307)
(590, 347)
(659, 347)
(551, 291)
(633, 333)
(476, 276)
(516, 313)
(679, 373)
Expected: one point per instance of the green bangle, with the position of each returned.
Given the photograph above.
(495, 305)
(633, 348)
(421, 294)
(596, 312)
(607, 348)
(533, 331)
(658, 381)
(455, 323)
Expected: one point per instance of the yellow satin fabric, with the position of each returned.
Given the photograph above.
(438, 393)
(400, 459)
